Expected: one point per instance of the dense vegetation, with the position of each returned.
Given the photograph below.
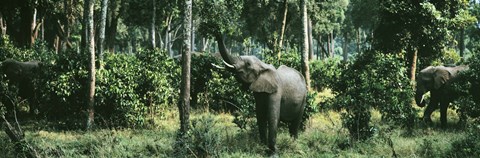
(362, 57)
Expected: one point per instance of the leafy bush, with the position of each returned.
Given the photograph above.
(467, 146)
(324, 73)
(467, 87)
(131, 87)
(374, 80)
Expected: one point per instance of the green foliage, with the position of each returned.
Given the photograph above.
(214, 20)
(467, 88)
(325, 73)
(291, 59)
(378, 81)
(131, 87)
(206, 137)
(467, 146)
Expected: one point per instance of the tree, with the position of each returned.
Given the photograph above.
(184, 101)
(103, 19)
(305, 49)
(90, 48)
(152, 26)
(327, 18)
(408, 26)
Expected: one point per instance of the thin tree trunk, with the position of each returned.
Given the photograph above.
(332, 45)
(33, 25)
(305, 66)
(101, 39)
(66, 26)
(90, 48)
(345, 47)
(413, 65)
(152, 26)
(168, 37)
(358, 39)
(192, 44)
(3, 26)
(461, 43)
(111, 28)
(310, 40)
(284, 24)
(184, 101)
(204, 44)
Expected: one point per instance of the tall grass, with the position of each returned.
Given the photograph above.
(214, 135)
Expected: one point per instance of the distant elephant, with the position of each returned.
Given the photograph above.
(21, 75)
(280, 94)
(437, 80)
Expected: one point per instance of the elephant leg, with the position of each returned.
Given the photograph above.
(262, 125)
(295, 126)
(443, 113)
(428, 112)
(273, 118)
(261, 111)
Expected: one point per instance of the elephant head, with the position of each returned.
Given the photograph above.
(432, 79)
(250, 71)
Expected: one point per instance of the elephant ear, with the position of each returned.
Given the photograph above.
(266, 82)
(440, 77)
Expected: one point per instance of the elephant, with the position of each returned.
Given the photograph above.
(280, 94)
(437, 81)
(22, 75)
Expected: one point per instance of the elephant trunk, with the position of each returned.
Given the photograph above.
(419, 99)
(228, 59)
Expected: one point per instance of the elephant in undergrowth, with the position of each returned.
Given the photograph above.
(280, 94)
(437, 80)
(22, 75)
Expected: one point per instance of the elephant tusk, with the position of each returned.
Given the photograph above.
(228, 65)
(216, 66)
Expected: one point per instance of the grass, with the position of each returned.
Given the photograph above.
(214, 135)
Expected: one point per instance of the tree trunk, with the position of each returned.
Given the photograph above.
(192, 41)
(33, 25)
(310, 40)
(111, 28)
(168, 37)
(413, 65)
(90, 48)
(345, 47)
(305, 66)
(332, 45)
(152, 26)
(358, 39)
(103, 21)
(204, 44)
(67, 8)
(282, 32)
(461, 43)
(184, 101)
(3, 26)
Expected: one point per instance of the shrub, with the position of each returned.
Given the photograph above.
(467, 146)
(374, 80)
(131, 87)
(467, 87)
(324, 73)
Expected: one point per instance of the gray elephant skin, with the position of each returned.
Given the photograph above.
(280, 94)
(21, 75)
(437, 80)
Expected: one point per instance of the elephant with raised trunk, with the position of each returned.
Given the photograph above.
(22, 75)
(437, 80)
(280, 94)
